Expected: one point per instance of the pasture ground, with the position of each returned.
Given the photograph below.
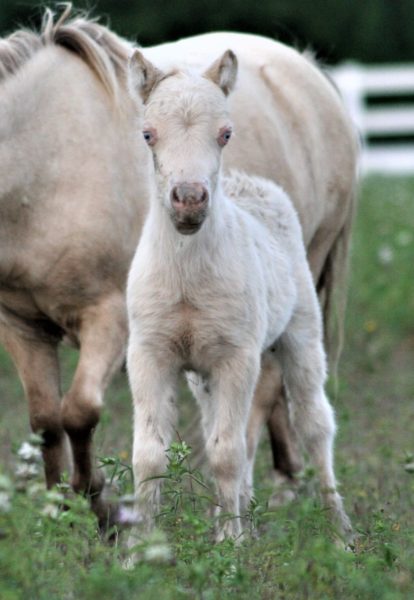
(48, 554)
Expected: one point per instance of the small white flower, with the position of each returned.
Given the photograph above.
(158, 553)
(127, 516)
(385, 255)
(231, 573)
(35, 439)
(35, 489)
(27, 470)
(54, 497)
(404, 238)
(5, 503)
(29, 453)
(5, 483)
(50, 510)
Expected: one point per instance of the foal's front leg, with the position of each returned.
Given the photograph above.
(232, 387)
(153, 385)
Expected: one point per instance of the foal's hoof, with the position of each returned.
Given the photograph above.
(231, 530)
(284, 492)
(346, 543)
(130, 562)
(281, 498)
(345, 539)
(150, 548)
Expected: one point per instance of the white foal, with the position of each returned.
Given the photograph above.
(219, 286)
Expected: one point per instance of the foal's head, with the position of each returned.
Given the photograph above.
(186, 125)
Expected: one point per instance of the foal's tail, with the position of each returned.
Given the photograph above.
(332, 287)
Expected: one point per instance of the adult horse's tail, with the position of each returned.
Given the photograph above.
(332, 286)
(331, 282)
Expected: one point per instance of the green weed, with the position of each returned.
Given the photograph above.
(47, 552)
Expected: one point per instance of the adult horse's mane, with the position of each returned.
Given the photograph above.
(104, 52)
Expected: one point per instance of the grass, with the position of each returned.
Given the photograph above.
(46, 553)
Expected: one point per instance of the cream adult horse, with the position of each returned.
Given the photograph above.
(72, 201)
(219, 284)
(73, 194)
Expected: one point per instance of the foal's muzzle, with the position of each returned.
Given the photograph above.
(189, 202)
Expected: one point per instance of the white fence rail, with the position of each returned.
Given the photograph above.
(387, 124)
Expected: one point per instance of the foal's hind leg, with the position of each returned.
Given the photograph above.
(102, 336)
(303, 363)
(270, 407)
(36, 361)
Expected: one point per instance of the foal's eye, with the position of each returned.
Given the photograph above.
(224, 136)
(150, 136)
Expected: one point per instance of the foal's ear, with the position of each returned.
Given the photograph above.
(143, 76)
(223, 72)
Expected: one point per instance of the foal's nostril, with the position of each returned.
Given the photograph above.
(204, 196)
(174, 196)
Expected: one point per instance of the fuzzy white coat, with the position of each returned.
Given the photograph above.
(220, 302)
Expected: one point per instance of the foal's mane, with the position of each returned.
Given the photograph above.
(105, 53)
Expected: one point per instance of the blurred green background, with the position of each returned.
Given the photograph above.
(365, 30)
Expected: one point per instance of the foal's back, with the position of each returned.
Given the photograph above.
(269, 205)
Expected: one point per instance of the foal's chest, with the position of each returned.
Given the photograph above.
(195, 337)
(185, 318)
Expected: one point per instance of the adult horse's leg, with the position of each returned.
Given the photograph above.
(36, 361)
(286, 457)
(102, 336)
(328, 256)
